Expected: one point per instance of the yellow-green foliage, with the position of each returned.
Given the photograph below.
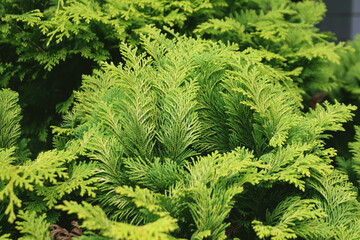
(203, 96)
(348, 73)
(51, 175)
(9, 119)
(177, 137)
(95, 219)
(284, 28)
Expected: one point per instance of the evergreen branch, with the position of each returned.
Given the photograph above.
(80, 176)
(291, 164)
(9, 119)
(284, 222)
(271, 120)
(33, 226)
(95, 219)
(180, 128)
(331, 117)
(20, 31)
(338, 199)
(47, 167)
(158, 175)
(212, 183)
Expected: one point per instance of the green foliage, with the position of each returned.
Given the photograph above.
(51, 175)
(40, 39)
(347, 76)
(352, 166)
(51, 43)
(78, 177)
(32, 226)
(338, 199)
(283, 28)
(47, 167)
(291, 218)
(95, 219)
(172, 137)
(212, 183)
(347, 73)
(119, 104)
(9, 119)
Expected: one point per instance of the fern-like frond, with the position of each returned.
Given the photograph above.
(145, 199)
(232, 29)
(338, 200)
(212, 63)
(178, 118)
(321, 50)
(291, 218)
(47, 167)
(330, 117)
(9, 118)
(212, 183)
(33, 227)
(31, 18)
(291, 164)
(271, 120)
(157, 175)
(310, 12)
(80, 176)
(109, 153)
(94, 218)
(136, 107)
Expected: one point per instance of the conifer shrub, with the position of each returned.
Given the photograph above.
(190, 139)
(287, 30)
(201, 132)
(47, 45)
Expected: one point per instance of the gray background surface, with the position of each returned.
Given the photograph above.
(342, 18)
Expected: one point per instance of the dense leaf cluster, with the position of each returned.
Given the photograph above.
(193, 123)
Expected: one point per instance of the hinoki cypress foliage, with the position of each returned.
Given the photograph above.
(50, 44)
(175, 136)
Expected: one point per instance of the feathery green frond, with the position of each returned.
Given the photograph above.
(283, 28)
(338, 200)
(95, 219)
(291, 164)
(47, 167)
(331, 117)
(291, 218)
(157, 175)
(178, 118)
(9, 118)
(145, 199)
(79, 176)
(273, 121)
(33, 226)
(212, 183)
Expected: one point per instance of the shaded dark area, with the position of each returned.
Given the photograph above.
(39, 97)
